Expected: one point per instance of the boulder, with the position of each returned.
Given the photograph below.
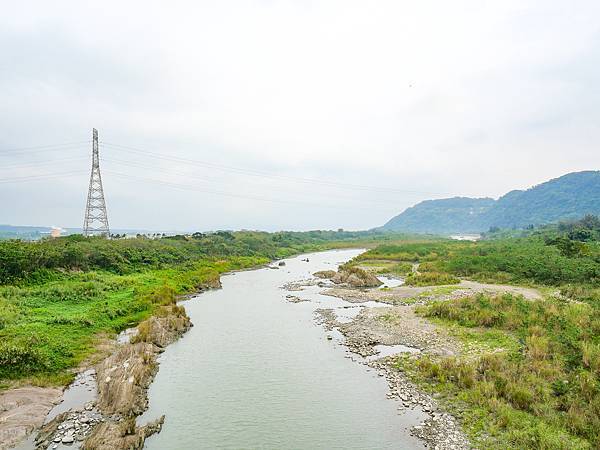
(356, 277)
(325, 274)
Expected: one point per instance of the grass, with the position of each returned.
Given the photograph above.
(47, 329)
(533, 377)
(529, 372)
(533, 260)
(439, 291)
(430, 279)
(60, 297)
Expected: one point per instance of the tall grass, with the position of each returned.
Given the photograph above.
(544, 394)
(430, 279)
(47, 329)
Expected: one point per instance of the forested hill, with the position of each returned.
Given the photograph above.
(568, 197)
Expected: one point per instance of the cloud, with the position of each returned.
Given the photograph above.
(427, 99)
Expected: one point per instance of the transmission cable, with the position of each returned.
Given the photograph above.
(222, 193)
(257, 173)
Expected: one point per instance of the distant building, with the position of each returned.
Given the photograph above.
(56, 232)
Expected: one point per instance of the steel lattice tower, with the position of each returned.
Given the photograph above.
(96, 219)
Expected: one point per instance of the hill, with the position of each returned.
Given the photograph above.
(568, 197)
(449, 215)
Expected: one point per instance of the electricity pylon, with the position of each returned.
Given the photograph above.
(96, 219)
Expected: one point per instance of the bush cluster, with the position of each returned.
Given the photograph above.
(544, 394)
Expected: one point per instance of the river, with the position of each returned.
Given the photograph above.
(256, 371)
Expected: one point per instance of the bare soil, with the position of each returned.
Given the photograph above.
(24, 409)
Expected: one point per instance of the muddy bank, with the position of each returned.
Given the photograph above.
(108, 420)
(413, 295)
(387, 324)
(24, 410)
(392, 327)
(123, 380)
(399, 326)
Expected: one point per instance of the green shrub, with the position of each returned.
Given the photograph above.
(545, 393)
(19, 358)
(430, 279)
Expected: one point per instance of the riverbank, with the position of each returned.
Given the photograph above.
(125, 300)
(255, 372)
(442, 346)
(62, 301)
(150, 294)
(379, 329)
(515, 366)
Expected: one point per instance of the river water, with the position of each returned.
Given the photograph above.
(256, 371)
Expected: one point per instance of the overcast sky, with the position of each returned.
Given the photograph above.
(290, 114)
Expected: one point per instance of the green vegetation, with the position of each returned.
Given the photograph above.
(60, 297)
(49, 327)
(387, 267)
(549, 256)
(430, 279)
(542, 390)
(36, 261)
(568, 197)
(529, 373)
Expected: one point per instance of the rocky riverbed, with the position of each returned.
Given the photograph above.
(399, 325)
(108, 423)
(396, 327)
(118, 385)
(22, 410)
(387, 319)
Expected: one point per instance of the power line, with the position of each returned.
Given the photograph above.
(256, 173)
(212, 180)
(221, 167)
(221, 193)
(41, 163)
(41, 148)
(40, 177)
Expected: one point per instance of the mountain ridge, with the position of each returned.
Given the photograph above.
(570, 196)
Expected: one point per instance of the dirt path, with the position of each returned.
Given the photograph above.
(412, 294)
(528, 293)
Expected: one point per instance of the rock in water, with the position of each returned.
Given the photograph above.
(356, 277)
(325, 274)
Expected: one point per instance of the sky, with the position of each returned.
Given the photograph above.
(289, 115)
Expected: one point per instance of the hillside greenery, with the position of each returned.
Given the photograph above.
(568, 197)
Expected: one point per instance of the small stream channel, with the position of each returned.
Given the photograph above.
(256, 371)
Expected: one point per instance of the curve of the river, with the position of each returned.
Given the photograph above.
(255, 371)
